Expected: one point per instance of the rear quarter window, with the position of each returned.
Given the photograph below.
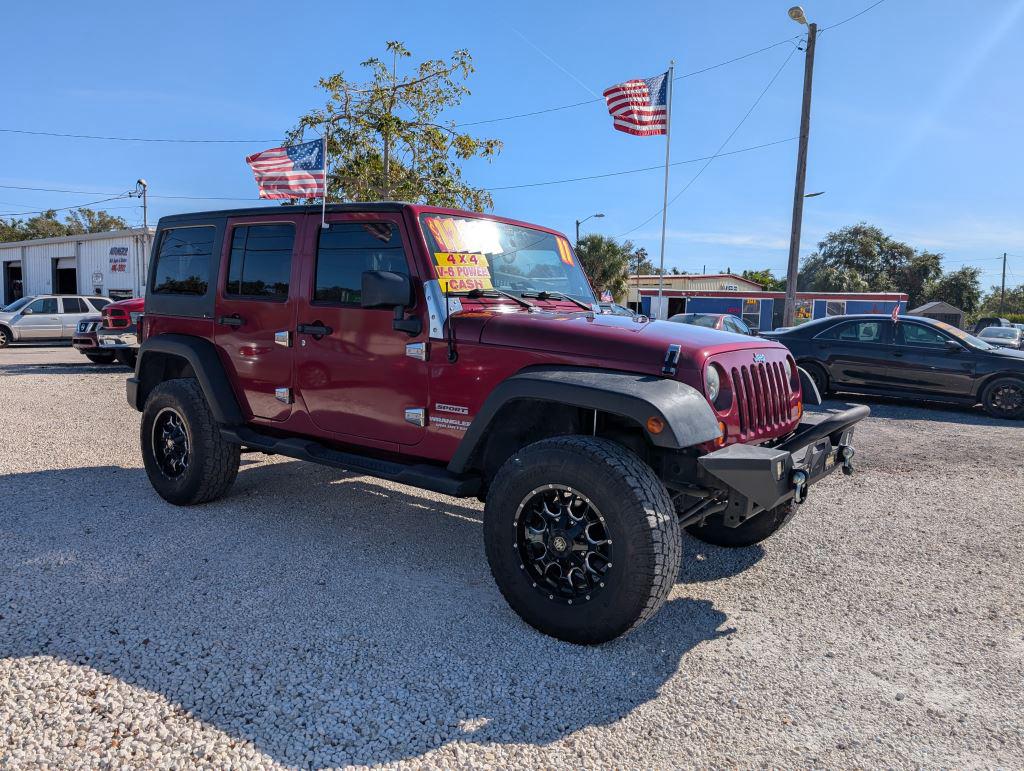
(183, 261)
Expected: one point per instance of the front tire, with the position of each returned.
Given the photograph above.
(186, 458)
(5, 337)
(100, 358)
(819, 376)
(582, 538)
(127, 357)
(1004, 398)
(714, 531)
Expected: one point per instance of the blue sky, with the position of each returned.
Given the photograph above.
(916, 123)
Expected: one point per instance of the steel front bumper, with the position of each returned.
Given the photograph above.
(115, 340)
(757, 478)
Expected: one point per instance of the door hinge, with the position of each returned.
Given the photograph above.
(283, 395)
(416, 351)
(417, 416)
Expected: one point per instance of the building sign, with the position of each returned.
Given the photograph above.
(97, 278)
(118, 259)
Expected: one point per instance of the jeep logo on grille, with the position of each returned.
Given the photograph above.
(759, 358)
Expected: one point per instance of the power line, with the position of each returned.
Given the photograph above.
(64, 208)
(135, 139)
(721, 147)
(851, 18)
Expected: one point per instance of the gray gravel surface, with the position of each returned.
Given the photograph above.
(314, 618)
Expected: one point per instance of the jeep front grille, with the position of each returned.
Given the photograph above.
(762, 393)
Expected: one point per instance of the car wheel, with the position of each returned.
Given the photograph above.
(127, 357)
(714, 531)
(581, 537)
(100, 358)
(5, 337)
(819, 376)
(1004, 398)
(186, 458)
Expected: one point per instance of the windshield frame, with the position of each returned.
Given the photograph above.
(422, 213)
(14, 306)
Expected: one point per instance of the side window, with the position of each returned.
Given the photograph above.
(346, 250)
(915, 334)
(260, 264)
(44, 305)
(854, 332)
(183, 261)
(99, 303)
(74, 305)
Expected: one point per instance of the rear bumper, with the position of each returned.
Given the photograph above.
(755, 478)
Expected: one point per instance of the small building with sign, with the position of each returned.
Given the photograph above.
(112, 264)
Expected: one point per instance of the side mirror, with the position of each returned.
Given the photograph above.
(385, 289)
(952, 346)
(27, 312)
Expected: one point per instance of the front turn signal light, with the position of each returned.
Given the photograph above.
(655, 425)
(799, 410)
(720, 440)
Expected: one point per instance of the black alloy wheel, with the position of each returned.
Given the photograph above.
(170, 444)
(563, 543)
(1005, 398)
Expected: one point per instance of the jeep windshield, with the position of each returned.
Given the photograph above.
(471, 253)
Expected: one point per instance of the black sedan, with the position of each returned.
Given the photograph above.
(912, 357)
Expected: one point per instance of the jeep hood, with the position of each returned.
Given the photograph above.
(610, 338)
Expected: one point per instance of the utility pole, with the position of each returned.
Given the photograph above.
(789, 314)
(142, 191)
(1002, 292)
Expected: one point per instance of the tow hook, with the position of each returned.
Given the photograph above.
(847, 452)
(799, 486)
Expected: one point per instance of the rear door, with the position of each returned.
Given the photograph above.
(255, 309)
(856, 353)
(40, 320)
(73, 310)
(357, 375)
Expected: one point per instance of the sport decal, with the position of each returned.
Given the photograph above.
(454, 408)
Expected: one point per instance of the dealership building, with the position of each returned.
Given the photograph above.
(738, 296)
(111, 264)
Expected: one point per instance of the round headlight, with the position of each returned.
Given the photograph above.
(714, 383)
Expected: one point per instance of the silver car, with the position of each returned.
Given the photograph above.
(46, 317)
(1006, 337)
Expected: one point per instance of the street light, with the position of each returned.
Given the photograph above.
(580, 222)
(796, 13)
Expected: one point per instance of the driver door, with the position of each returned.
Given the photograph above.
(358, 377)
(40, 320)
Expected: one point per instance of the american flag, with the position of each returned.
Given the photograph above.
(290, 172)
(639, 107)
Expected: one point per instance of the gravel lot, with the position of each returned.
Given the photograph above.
(314, 618)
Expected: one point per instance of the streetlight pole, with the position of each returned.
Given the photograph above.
(142, 191)
(580, 222)
(789, 314)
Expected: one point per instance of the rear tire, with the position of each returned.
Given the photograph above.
(186, 458)
(819, 376)
(1004, 398)
(588, 585)
(100, 358)
(756, 529)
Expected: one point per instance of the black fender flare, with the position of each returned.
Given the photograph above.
(687, 416)
(202, 357)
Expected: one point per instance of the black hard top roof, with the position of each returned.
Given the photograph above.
(389, 206)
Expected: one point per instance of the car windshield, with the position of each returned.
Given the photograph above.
(1005, 333)
(962, 336)
(473, 253)
(17, 305)
(699, 319)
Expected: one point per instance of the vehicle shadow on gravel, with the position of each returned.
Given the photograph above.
(897, 409)
(85, 368)
(325, 619)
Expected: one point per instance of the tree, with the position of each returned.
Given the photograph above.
(385, 137)
(1012, 306)
(960, 288)
(46, 225)
(766, 279)
(640, 264)
(861, 257)
(606, 262)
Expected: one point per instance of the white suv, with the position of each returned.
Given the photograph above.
(46, 317)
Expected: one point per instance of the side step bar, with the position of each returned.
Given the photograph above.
(435, 478)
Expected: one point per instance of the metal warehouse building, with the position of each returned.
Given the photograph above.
(112, 264)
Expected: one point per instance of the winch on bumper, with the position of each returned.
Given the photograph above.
(750, 478)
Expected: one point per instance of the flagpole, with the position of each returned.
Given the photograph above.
(323, 211)
(664, 207)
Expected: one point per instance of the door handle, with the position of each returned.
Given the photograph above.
(234, 320)
(317, 329)
(897, 354)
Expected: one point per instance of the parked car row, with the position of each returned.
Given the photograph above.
(102, 330)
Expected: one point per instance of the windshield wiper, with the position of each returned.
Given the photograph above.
(546, 295)
(476, 294)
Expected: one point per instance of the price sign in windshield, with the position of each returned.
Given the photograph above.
(462, 271)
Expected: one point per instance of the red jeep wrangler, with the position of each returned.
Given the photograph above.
(464, 354)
